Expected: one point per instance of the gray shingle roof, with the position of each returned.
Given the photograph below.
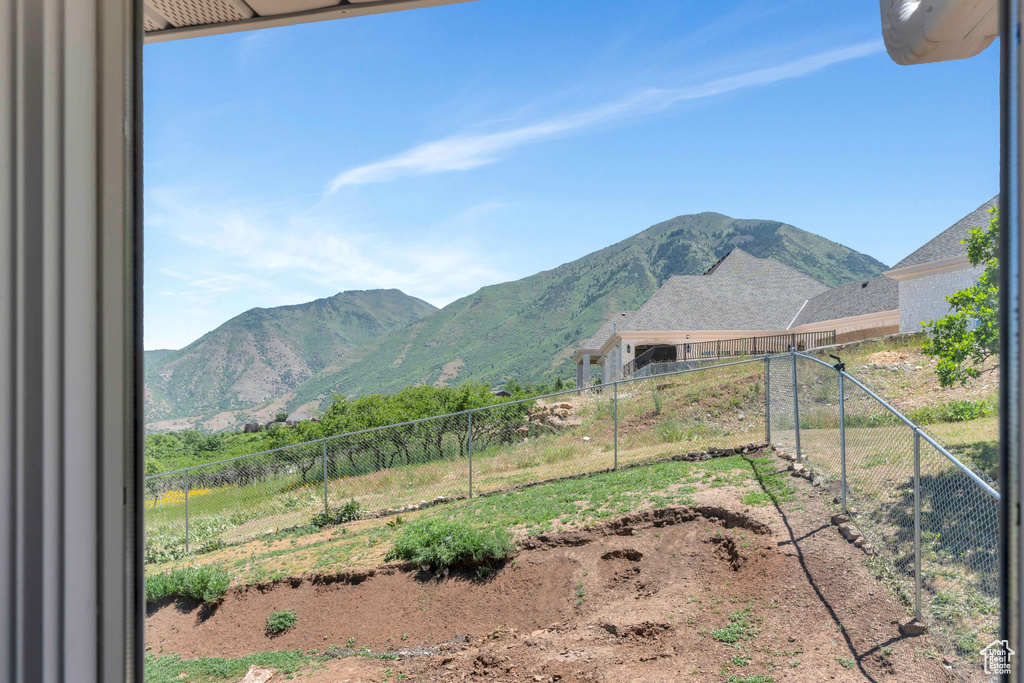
(853, 298)
(741, 292)
(605, 331)
(948, 243)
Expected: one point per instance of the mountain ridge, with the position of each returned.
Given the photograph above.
(265, 352)
(526, 329)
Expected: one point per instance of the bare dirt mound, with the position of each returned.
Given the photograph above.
(685, 593)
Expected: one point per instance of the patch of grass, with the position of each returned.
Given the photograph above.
(281, 621)
(349, 512)
(954, 411)
(443, 543)
(756, 498)
(207, 583)
(738, 628)
(756, 678)
(846, 662)
(774, 482)
(173, 669)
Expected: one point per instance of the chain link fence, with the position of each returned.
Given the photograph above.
(401, 467)
(932, 520)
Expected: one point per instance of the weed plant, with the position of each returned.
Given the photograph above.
(444, 543)
(207, 583)
(281, 621)
(349, 512)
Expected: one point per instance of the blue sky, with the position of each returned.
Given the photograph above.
(441, 150)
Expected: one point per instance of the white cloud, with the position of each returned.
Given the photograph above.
(468, 151)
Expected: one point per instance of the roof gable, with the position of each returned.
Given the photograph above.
(853, 298)
(949, 242)
(740, 292)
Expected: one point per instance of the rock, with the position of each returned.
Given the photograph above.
(816, 480)
(741, 417)
(792, 639)
(795, 467)
(849, 531)
(840, 519)
(913, 628)
(861, 542)
(258, 674)
(610, 627)
(729, 451)
(586, 438)
(947, 660)
(868, 549)
(694, 454)
(680, 456)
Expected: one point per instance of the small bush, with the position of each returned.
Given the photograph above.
(208, 583)
(953, 411)
(349, 512)
(443, 543)
(281, 621)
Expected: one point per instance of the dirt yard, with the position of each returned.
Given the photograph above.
(714, 591)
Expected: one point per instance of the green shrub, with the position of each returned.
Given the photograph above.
(281, 621)
(953, 411)
(208, 583)
(349, 512)
(443, 543)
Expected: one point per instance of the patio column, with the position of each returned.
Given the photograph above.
(606, 369)
(586, 371)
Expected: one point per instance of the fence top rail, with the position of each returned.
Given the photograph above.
(915, 428)
(332, 437)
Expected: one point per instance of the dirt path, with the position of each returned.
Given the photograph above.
(644, 597)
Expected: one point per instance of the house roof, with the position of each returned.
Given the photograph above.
(740, 292)
(853, 298)
(949, 242)
(601, 336)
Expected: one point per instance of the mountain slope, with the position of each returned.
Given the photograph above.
(526, 329)
(267, 352)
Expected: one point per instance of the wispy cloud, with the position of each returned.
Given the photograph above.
(468, 151)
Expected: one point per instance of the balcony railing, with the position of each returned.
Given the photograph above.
(726, 348)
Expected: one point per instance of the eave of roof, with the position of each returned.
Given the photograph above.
(949, 244)
(179, 19)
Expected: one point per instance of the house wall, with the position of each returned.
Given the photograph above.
(923, 298)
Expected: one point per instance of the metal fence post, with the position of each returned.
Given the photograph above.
(917, 525)
(186, 510)
(767, 400)
(469, 446)
(842, 438)
(326, 508)
(796, 406)
(615, 420)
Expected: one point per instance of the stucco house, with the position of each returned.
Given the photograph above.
(938, 269)
(741, 297)
(748, 305)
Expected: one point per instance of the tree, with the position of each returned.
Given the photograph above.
(968, 336)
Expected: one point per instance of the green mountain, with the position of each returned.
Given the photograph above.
(527, 329)
(265, 353)
(156, 355)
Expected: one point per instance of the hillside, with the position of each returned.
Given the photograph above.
(266, 352)
(154, 356)
(526, 329)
